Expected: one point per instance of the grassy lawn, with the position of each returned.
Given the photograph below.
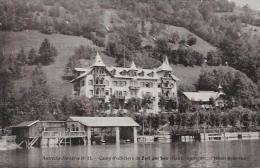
(65, 46)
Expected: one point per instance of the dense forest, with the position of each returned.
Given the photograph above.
(138, 29)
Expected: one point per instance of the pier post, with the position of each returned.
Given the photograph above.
(135, 134)
(117, 135)
(89, 135)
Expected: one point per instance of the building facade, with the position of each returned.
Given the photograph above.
(102, 82)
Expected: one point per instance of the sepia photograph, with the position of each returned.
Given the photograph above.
(130, 83)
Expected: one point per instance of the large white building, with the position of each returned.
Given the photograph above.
(102, 82)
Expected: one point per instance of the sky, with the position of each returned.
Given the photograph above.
(254, 4)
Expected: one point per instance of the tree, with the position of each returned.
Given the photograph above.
(191, 40)
(47, 53)
(21, 57)
(66, 106)
(236, 85)
(36, 100)
(162, 48)
(39, 78)
(174, 38)
(214, 58)
(146, 102)
(184, 103)
(80, 53)
(133, 105)
(32, 57)
(6, 85)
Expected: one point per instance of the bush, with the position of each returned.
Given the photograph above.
(99, 41)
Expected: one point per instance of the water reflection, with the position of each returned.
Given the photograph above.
(191, 154)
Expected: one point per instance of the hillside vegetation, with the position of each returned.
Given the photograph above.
(65, 46)
(208, 43)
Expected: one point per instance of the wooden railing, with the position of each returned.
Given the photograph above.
(63, 134)
(134, 87)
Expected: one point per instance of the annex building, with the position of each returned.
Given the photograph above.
(102, 82)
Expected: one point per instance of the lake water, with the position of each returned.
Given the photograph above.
(234, 154)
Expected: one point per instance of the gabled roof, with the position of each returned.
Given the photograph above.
(98, 61)
(25, 124)
(165, 65)
(174, 77)
(87, 71)
(133, 66)
(202, 96)
(105, 121)
(80, 69)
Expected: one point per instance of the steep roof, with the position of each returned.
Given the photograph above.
(98, 61)
(203, 96)
(165, 65)
(105, 121)
(85, 71)
(25, 124)
(133, 66)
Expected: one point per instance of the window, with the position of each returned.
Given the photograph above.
(125, 93)
(73, 127)
(147, 84)
(120, 93)
(151, 74)
(141, 73)
(107, 92)
(97, 91)
(148, 93)
(113, 71)
(97, 80)
(90, 82)
(151, 84)
(101, 81)
(83, 82)
(91, 92)
(115, 83)
(102, 71)
(107, 83)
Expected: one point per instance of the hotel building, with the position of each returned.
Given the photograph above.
(102, 82)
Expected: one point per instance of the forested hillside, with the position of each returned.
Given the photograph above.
(56, 36)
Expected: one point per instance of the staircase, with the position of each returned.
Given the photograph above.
(33, 142)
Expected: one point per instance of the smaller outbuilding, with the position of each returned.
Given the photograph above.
(207, 99)
(89, 123)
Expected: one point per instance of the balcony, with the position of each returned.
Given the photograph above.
(57, 134)
(120, 97)
(134, 87)
(166, 87)
(100, 96)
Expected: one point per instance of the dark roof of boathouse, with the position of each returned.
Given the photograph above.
(30, 123)
(105, 121)
(25, 124)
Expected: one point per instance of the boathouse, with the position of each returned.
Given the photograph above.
(29, 132)
(88, 124)
(46, 133)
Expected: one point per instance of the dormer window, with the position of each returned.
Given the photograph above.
(113, 72)
(151, 74)
(141, 73)
(123, 72)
